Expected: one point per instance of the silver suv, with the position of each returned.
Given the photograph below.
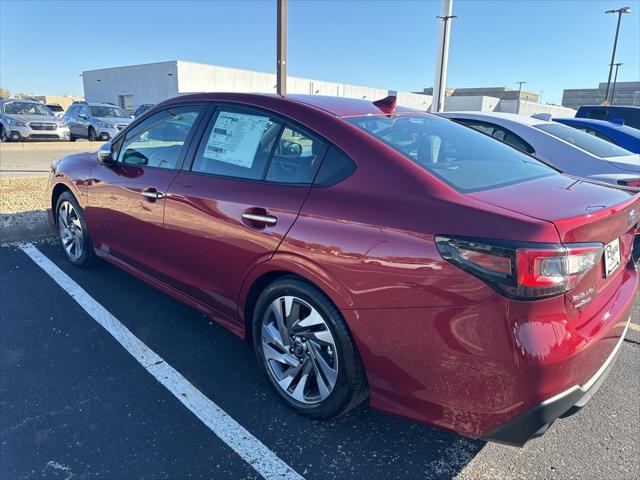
(95, 121)
(30, 120)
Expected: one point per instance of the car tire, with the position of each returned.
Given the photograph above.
(92, 135)
(72, 138)
(335, 381)
(3, 134)
(73, 233)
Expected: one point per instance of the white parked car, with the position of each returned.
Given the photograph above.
(570, 150)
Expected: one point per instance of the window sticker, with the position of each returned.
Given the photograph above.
(235, 138)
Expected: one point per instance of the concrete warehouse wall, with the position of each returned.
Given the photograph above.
(473, 104)
(197, 77)
(531, 108)
(148, 83)
(152, 83)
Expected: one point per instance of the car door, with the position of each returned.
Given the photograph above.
(126, 201)
(83, 121)
(230, 209)
(70, 117)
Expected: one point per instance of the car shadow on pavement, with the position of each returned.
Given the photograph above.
(362, 444)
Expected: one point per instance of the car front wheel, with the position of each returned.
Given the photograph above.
(73, 233)
(306, 351)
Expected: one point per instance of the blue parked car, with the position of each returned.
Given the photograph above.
(611, 113)
(616, 133)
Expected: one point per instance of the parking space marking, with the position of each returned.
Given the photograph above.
(634, 326)
(248, 447)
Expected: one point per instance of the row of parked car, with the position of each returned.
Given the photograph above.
(604, 150)
(22, 120)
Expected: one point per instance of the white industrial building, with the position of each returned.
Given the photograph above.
(135, 85)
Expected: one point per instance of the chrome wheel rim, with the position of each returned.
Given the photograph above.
(299, 350)
(70, 229)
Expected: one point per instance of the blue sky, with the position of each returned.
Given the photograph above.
(552, 44)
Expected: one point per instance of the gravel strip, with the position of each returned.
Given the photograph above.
(23, 206)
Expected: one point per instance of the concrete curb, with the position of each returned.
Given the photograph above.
(23, 227)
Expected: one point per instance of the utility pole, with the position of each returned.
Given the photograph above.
(615, 80)
(519, 94)
(442, 56)
(619, 11)
(281, 84)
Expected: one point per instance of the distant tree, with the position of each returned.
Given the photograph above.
(4, 93)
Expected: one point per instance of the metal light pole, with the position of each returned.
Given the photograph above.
(442, 57)
(519, 94)
(281, 85)
(615, 80)
(619, 11)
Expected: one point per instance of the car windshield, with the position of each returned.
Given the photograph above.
(105, 111)
(25, 108)
(592, 144)
(460, 156)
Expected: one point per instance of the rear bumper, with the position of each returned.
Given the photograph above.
(535, 421)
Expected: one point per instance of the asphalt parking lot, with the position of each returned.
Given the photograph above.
(74, 403)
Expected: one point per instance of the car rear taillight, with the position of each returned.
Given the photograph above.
(635, 183)
(522, 270)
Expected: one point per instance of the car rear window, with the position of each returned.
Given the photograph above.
(594, 145)
(462, 157)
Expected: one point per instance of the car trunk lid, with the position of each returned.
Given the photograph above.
(582, 212)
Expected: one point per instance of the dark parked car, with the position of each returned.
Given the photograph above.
(630, 115)
(367, 251)
(141, 109)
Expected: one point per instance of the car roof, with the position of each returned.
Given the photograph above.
(338, 106)
(609, 107)
(9, 100)
(100, 104)
(489, 116)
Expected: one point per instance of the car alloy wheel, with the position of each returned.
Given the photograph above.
(70, 228)
(299, 350)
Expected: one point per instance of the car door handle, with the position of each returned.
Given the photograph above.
(268, 220)
(152, 194)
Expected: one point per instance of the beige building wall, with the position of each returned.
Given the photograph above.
(63, 101)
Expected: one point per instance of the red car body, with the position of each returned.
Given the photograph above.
(439, 345)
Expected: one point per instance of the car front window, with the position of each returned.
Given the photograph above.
(103, 111)
(581, 139)
(25, 108)
(462, 157)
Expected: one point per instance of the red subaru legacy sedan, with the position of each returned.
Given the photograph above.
(367, 251)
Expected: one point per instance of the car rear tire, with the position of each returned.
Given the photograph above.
(3, 134)
(305, 349)
(72, 138)
(72, 232)
(92, 135)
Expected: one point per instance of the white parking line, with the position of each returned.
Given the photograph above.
(252, 450)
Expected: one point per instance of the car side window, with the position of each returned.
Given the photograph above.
(158, 140)
(335, 167)
(237, 143)
(502, 134)
(296, 157)
(598, 114)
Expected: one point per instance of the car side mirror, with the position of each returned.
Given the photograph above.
(105, 156)
(82, 116)
(290, 148)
